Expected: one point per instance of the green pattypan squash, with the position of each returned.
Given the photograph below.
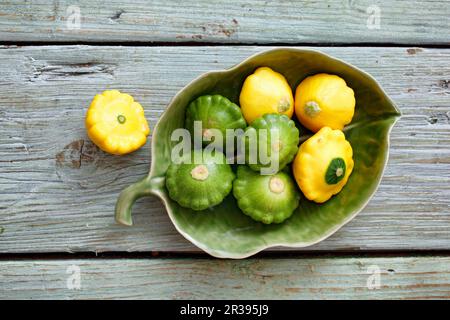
(265, 198)
(202, 184)
(260, 141)
(215, 112)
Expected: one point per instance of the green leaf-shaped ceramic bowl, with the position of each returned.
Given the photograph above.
(224, 231)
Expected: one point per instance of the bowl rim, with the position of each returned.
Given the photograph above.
(229, 255)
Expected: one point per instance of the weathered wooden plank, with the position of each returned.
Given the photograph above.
(303, 278)
(261, 21)
(57, 191)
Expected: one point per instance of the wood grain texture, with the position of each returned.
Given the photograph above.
(57, 191)
(261, 21)
(317, 278)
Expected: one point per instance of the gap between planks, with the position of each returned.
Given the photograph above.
(219, 44)
(117, 255)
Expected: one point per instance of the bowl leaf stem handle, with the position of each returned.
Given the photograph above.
(128, 196)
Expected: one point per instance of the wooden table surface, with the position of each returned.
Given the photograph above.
(58, 191)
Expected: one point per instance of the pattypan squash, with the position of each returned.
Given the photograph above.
(323, 164)
(265, 91)
(272, 137)
(116, 123)
(214, 112)
(201, 179)
(265, 198)
(324, 100)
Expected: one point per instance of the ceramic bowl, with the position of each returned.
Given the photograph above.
(224, 231)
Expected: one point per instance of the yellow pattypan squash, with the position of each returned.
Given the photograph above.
(323, 164)
(116, 123)
(265, 91)
(324, 100)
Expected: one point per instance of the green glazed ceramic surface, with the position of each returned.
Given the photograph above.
(224, 231)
